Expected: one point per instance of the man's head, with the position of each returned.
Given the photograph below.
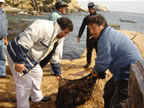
(96, 24)
(92, 8)
(66, 26)
(61, 6)
(1, 2)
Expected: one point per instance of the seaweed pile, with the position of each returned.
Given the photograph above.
(72, 93)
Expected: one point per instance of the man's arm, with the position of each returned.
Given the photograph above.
(83, 25)
(3, 25)
(104, 57)
(56, 58)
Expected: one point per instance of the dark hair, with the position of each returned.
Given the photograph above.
(97, 19)
(65, 23)
(57, 8)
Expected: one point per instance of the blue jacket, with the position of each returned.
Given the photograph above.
(116, 52)
(54, 15)
(3, 24)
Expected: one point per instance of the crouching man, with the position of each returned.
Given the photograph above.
(116, 52)
(37, 45)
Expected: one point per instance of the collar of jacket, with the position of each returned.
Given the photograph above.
(102, 32)
(57, 30)
(57, 12)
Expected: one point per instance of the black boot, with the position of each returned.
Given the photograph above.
(86, 66)
(46, 99)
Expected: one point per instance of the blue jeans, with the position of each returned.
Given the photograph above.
(2, 59)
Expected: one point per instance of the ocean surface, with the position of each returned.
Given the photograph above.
(73, 49)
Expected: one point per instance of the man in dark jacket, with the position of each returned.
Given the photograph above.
(90, 42)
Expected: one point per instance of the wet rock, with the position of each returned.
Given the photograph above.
(102, 7)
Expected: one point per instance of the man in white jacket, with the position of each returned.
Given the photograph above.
(37, 45)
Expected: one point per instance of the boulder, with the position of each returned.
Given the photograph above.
(102, 7)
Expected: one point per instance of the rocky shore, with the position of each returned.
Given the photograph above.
(36, 7)
(31, 6)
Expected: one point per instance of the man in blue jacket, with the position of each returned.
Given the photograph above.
(116, 52)
(3, 34)
(60, 7)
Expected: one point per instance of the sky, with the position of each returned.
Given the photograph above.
(134, 6)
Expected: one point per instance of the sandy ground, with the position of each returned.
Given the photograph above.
(72, 69)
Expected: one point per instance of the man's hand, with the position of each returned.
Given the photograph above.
(19, 67)
(102, 75)
(78, 39)
(59, 77)
(94, 74)
(5, 41)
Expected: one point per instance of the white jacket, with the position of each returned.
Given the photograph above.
(35, 43)
(41, 31)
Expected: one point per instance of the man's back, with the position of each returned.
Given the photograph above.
(54, 15)
(117, 52)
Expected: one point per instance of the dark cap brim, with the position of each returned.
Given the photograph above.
(62, 6)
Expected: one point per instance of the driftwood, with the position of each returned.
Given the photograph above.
(72, 93)
(136, 86)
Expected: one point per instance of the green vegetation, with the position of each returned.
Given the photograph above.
(67, 1)
(48, 1)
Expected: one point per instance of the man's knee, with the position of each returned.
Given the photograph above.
(118, 104)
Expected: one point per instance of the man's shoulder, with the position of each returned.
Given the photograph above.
(2, 12)
(111, 35)
(86, 16)
(42, 21)
(107, 33)
(55, 13)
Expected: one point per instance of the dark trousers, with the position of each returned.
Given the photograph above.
(115, 94)
(91, 43)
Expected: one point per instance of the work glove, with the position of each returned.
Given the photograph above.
(102, 75)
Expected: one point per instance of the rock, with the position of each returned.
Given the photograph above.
(33, 13)
(73, 6)
(129, 21)
(102, 7)
(30, 6)
(10, 9)
(22, 13)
